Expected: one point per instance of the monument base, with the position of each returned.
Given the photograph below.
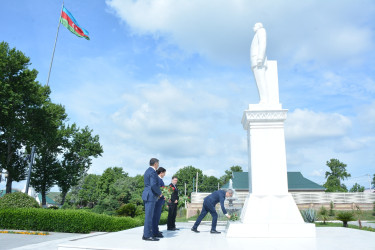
(270, 216)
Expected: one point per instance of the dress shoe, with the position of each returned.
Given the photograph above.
(150, 238)
(195, 230)
(159, 235)
(171, 229)
(176, 228)
(215, 232)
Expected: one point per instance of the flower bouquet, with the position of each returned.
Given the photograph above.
(183, 199)
(167, 192)
(234, 217)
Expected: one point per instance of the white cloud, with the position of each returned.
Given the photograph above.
(347, 144)
(318, 173)
(308, 126)
(366, 117)
(303, 31)
(166, 119)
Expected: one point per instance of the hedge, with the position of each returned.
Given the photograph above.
(69, 221)
(17, 200)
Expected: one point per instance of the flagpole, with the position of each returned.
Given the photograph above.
(54, 47)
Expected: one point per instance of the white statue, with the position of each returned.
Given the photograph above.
(259, 61)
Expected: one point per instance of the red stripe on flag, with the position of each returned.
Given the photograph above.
(72, 24)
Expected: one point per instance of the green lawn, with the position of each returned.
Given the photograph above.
(332, 224)
(365, 216)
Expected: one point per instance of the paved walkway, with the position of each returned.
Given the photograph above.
(51, 241)
(364, 224)
(327, 238)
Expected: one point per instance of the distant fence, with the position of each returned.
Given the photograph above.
(303, 198)
(306, 198)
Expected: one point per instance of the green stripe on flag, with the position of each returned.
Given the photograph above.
(66, 24)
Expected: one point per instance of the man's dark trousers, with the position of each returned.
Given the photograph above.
(149, 210)
(207, 207)
(157, 211)
(172, 213)
(156, 217)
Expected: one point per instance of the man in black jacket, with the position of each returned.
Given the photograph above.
(173, 204)
(209, 204)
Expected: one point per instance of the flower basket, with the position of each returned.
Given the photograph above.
(234, 217)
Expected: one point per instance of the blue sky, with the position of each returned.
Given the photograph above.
(171, 79)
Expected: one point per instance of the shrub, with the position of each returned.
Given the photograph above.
(163, 218)
(69, 221)
(345, 216)
(53, 207)
(18, 200)
(323, 213)
(66, 206)
(373, 209)
(130, 209)
(309, 215)
(331, 206)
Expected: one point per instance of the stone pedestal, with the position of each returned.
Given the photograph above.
(269, 210)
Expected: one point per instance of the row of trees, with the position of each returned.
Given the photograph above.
(205, 183)
(337, 174)
(29, 118)
(107, 192)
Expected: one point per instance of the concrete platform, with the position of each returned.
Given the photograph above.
(326, 238)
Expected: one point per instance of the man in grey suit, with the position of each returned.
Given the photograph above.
(150, 195)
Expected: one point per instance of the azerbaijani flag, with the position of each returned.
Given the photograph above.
(71, 24)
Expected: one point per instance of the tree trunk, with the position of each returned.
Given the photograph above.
(345, 223)
(7, 167)
(9, 184)
(63, 196)
(44, 201)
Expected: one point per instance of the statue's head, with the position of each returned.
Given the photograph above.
(257, 26)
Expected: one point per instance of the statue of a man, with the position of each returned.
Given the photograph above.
(259, 61)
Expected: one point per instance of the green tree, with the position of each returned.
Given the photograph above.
(79, 149)
(335, 176)
(373, 182)
(357, 188)
(209, 184)
(186, 175)
(89, 191)
(124, 189)
(110, 176)
(49, 144)
(229, 174)
(73, 198)
(21, 99)
(138, 183)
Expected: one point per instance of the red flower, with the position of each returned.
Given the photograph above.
(173, 188)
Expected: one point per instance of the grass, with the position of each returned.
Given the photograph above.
(333, 224)
(366, 215)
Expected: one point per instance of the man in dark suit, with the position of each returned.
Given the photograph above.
(150, 194)
(209, 204)
(159, 205)
(172, 206)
